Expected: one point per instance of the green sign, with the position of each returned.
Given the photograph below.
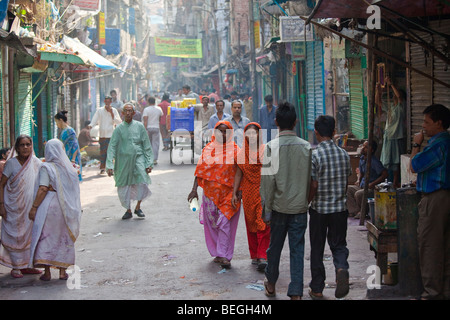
(298, 50)
(178, 48)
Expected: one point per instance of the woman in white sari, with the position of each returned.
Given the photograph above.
(17, 187)
(56, 213)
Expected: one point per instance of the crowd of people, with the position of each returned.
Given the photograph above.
(261, 168)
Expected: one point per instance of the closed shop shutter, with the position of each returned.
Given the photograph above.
(315, 93)
(24, 110)
(358, 101)
(421, 87)
(425, 91)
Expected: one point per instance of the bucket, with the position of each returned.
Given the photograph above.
(385, 207)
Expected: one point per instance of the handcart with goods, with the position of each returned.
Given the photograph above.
(181, 131)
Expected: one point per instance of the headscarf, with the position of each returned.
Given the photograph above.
(216, 170)
(250, 162)
(64, 179)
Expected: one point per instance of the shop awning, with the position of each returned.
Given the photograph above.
(60, 57)
(12, 40)
(89, 56)
(358, 8)
(73, 51)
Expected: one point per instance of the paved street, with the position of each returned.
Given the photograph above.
(164, 255)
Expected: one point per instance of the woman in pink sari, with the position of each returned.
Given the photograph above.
(215, 173)
(56, 213)
(16, 197)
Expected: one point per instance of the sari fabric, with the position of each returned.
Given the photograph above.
(249, 161)
(216, 169)
(57, 223)
(71, 146)
(17, 227)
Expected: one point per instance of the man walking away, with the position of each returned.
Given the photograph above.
(284, 192)
(151, 118)
(433, 180)
(328, 210)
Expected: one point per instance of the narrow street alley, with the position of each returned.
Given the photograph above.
(163, 256)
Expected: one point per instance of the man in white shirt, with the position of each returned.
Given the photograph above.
(151, 118)
(116, 103)
(107, 118)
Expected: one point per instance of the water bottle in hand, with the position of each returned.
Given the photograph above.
(193, 205)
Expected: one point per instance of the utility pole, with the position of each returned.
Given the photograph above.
(254, 85)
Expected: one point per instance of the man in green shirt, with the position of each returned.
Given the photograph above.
(131, 151)
(284, 192)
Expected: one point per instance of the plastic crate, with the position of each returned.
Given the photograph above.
(182, 118)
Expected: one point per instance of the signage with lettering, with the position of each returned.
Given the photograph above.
(293, 29)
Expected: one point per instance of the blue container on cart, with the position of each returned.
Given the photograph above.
(182, 118)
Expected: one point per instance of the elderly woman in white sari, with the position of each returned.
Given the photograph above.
(17, 187)
(56, 213)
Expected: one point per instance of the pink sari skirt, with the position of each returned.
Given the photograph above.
(220, 233)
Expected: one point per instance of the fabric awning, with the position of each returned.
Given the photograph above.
(87, 55)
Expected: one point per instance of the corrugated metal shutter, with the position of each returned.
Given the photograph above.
(421, 87)
(319, 81)
(315, 89)
(423, 90)
(310, 105)
(23, 105)
(441, 71)
(358, 101)
(44, 120)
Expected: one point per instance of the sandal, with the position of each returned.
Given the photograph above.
(30, 271)
(315, 295)
(15, 273)
(225, 263)
(266, 289)
(45, 277)
(342, 285)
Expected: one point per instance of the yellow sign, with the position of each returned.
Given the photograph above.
(101, 28)
(256, 27)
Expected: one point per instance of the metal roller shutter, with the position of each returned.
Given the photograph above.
(358, 101)
(24, 109)
(315, 89)
(423, 90)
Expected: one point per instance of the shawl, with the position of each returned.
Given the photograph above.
(216, 170)
(250, 162)
(64, 179)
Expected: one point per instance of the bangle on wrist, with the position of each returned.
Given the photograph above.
(416, 145)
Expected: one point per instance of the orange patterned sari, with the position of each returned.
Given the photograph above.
(250, 162)
(216, 169)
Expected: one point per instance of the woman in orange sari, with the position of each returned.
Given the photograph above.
(248, 181)
(215, 174)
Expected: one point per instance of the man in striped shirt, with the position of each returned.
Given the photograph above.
(328, 211)
(433, 180)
